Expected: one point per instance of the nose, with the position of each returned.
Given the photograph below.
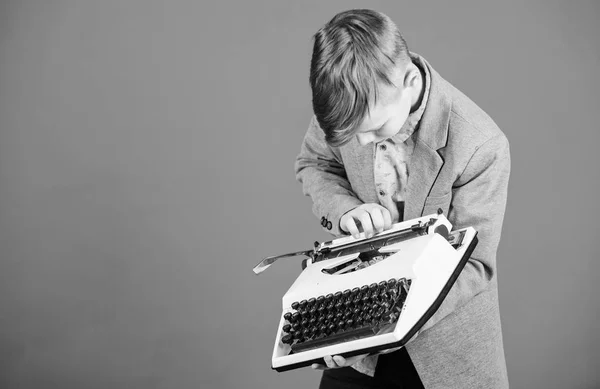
(364, 139)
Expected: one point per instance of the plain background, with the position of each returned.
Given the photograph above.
(146, 165)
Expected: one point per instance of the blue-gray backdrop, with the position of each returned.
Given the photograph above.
(146, 165)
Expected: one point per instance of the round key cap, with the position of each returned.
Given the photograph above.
(382, 284)
(287, 339)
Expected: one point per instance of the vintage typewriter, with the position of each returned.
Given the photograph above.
(358, 296)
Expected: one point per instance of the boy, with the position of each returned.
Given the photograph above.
(391, 140)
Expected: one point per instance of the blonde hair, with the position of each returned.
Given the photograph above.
(353, 53)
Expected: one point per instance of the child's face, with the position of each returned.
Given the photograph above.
(387, 117)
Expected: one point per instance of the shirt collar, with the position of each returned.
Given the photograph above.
(413, 119)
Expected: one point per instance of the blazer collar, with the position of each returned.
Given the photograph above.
(431, 135)
(433, 127)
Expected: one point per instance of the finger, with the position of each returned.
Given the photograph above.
(377, 219)
(351, 227)
(367, 225)
(340, 361)
(317, 366)
(387, 218)
(329, 362)
(352, 360)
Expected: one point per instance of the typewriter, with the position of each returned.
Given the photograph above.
(366, 295)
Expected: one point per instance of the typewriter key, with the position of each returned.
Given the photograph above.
(295, 305)
(286, 327)
(288, 316)
(286, 339)
(331, 304)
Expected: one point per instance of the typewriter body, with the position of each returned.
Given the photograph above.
(365, 295)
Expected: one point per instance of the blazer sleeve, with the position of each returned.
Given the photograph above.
(320, 169)
(478, 200)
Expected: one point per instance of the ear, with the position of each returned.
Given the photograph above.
(412, 76)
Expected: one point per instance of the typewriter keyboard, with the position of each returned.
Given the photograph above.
(344, 316)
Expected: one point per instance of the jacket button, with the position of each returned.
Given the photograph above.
(329, 225)
(382, 147)
(323, 221)
(382, 193)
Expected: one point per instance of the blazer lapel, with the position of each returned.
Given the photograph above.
(431, 135)
(425, 165)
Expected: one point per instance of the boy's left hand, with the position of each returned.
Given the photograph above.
(338, 361)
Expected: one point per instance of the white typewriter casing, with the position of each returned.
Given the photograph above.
(430, 261)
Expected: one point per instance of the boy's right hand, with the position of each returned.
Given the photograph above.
(368, 218)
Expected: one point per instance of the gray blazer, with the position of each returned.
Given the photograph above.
(461, 164)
